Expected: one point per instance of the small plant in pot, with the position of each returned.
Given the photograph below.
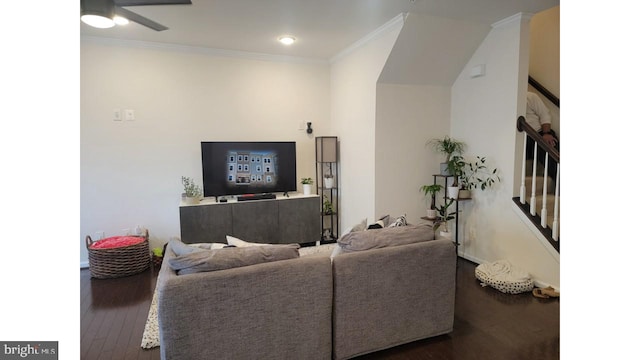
(476, 175)
(306, 185)
(455, 167)
(328, 181)
(327, 206)
(192, 192)
(431, 191)
(443, 218)
(158, 255)
(448, 147)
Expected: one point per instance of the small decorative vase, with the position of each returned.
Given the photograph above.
(446, 235)
(432, 214)
(328, 183)
(189, 200)
(452, 192)
(464, 194)
(306, 189)
(444, 168)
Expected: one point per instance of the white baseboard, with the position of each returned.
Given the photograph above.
(84, 264)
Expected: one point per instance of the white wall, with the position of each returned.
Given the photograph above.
(407, 117)
(353, 112)
(544, 57)
(483, 114)
(130, 170)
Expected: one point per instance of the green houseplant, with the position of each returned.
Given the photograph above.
(431, 191)
(192, 192)
(306, 185)
(443, 217)
(476, 175)
(448, 147)
(327, 206)
(455, 167)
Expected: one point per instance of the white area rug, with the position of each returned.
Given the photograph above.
(151, 337)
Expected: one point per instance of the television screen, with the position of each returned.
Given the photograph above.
(235, 168)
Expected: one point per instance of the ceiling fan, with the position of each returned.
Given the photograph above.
(106, 13)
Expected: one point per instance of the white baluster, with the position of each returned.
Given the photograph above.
(556, 206)
(543, 212)
(532, 203)
(523, 189)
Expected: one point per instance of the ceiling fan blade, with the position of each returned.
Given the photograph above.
(139, 19)
(151, 2)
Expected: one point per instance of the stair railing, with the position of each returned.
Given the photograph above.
(532, 135)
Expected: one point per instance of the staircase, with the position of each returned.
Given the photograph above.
(539, 201)
(545, 197)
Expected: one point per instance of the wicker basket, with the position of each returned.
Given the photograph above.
(120, 261)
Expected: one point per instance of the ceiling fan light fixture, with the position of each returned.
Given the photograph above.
(287, 39)
(119, 20)
(97, 21)
(98, 13)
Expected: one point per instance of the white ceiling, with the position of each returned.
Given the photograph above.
(323, 28)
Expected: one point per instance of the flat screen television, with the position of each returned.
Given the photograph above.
(236, 168)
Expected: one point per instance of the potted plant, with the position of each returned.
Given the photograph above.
(327, 206)
(443, 218)
(157, 256)
(431, 190)
(455, 167)
(447, 147)
(476, 175)
(192, 192)
(306, 185)
(328, 181)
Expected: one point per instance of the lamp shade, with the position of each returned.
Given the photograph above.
(327, 149)
(98, 13)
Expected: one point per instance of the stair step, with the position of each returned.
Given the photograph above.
(551, 186)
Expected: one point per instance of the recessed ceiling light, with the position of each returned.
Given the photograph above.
(287, 40)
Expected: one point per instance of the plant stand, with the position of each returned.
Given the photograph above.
(457, 200)
(327, 164)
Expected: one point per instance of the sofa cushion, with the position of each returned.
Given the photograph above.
(180, 248)
(232, 257)
(389, 236)
(241, 243)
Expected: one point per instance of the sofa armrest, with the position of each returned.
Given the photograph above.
(391, 296)
(280, 309)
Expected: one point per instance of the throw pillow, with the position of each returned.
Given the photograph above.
(390, 236)
(362, 225)
(180, 248)
(232, 257)
(385, 220)
(378, 225)
(401, 221)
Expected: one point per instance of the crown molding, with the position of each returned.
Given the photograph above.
(390, 25)
(201, 50)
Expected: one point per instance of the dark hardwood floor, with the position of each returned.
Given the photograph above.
(488, 324)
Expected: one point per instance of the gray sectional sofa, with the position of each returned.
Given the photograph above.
(312, 307)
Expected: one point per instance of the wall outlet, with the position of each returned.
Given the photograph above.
(117, 115)
(129, 115)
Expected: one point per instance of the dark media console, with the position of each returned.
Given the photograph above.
(272, 221)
